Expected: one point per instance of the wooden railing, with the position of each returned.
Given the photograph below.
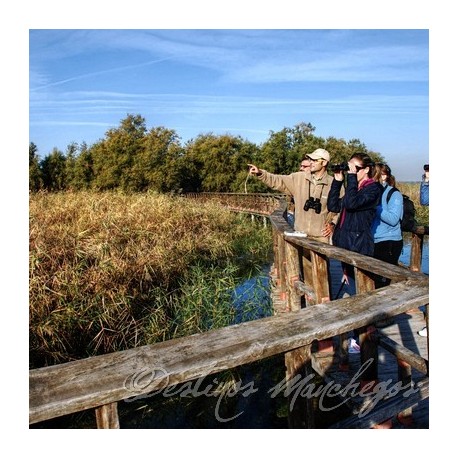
(262, 204)
(266, 203)
(101, 382)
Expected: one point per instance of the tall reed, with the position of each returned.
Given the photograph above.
(413, 191)
(110, 271)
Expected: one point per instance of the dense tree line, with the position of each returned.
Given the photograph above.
(133, 158)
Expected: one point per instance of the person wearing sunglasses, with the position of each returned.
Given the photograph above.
(357, 209)
(309, 189)
(358, 205)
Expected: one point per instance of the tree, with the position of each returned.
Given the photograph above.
(114, 157)
(341, 150)
(54, 171)
(83, 170)
(284, 150)
(156, 166)
(217, 163)
(35, 175)
(70, 165)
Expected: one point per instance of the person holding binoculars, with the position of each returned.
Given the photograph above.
(357, 209)
(357, 212)
(309, 189)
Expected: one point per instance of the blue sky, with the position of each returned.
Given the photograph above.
(367, 84)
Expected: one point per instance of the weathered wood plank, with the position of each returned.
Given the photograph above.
(395, 273)
(404, 354)
(92, 382)
(367, 263)
(292, 275)
(415, 252)
(308, 291)
(107, 416)
(387, 409)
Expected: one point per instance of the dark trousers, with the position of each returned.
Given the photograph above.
(388, 251)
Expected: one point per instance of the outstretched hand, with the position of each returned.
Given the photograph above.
(253, 170)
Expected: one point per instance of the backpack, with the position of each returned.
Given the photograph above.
(408, 222)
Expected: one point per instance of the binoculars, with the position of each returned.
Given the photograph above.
(342, 167)
(313, 203)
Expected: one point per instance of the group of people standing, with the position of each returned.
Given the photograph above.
(363, 216)
(358, 217)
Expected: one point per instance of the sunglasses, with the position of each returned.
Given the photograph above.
(315, 160)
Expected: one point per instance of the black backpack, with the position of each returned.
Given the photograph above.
(408, 222)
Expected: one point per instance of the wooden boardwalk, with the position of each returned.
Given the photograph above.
(403, 329)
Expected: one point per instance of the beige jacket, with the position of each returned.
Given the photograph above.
(301, 186)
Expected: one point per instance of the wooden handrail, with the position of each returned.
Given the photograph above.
(101, 382)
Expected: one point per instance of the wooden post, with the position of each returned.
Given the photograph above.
(298, 364)
(415, 252)
(279, 292)
(298, 361)
(367, 335)
(107, 416)
(321, 286)
(292, 275)
(405, 377)
(320, 277)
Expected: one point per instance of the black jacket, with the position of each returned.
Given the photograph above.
(357, 211)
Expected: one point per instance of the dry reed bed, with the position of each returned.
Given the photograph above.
(413, 191)
(99, 261)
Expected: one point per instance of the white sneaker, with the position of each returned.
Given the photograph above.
(423, 332)
(353, 347)
(296, 234)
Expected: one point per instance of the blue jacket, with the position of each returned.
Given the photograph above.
(387, 222)
(424, 193)
(357, 211)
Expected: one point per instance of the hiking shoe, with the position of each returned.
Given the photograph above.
(353, 347)
(423, 332)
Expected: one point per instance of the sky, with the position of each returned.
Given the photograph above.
(368, 84)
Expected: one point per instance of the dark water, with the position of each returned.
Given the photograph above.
(251, 298)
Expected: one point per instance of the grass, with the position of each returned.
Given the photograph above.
(413, 191)
(110, 271)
